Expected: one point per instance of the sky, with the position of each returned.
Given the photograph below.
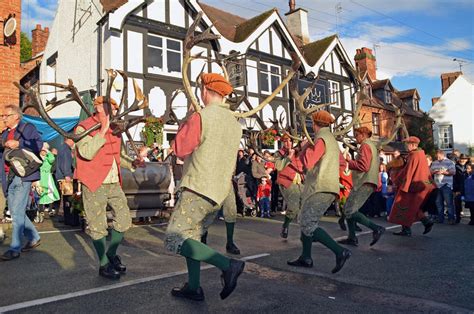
(414, 40)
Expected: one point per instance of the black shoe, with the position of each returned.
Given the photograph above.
(230, 276)
(284, 232)
(232, 249)
(204, 237)
(341, 260)
(342, 223)
(31, 245)
(9, 255)
(185, 293)
(376, 235)
(108, 271)
(405, 232)
(301, 262)
(358, 229)
(428, 227)
(116, 261)
(349, 241)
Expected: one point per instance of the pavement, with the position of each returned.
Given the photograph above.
(431, 273)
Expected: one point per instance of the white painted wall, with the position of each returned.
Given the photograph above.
(456, 107)
(177, 13)
(134, 52)
(156, 10)
(264, 42)
(252, 76)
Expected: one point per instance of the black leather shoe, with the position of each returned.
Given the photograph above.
(116, 261)
(301, 262)
(232, 249)
(108, 271)
(428, 227)
(376, 235)
(284, 232)
(230, 276)
(405, 232)
(31, 245)
(341, 260)
(204, 237)
(357, 228)
(9, 255)
(342, 223)
(185, 293)
(349, 241)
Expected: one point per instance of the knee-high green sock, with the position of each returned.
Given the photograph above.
(307, 245)
(229, 227)
(351, 225)
(115, 241)
(287, 221)
(324, 238)
(363, 220)
(201, 252)
(194, 273)
(99, 246)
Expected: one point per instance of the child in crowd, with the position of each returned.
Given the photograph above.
(469, 191)
(263, 197)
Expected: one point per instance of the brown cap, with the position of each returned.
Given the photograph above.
(322, 116)
(463, 156)
(100, 100)
(216, 83)
(363, 130)
(412, 139)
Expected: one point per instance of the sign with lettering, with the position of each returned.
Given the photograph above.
(319, 94)
(236, 69)
(129, 148)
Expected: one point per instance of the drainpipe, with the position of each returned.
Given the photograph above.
(100, 23)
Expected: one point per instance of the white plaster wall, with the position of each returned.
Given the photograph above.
(328, 64)
(455, 107)
(180, 106)
(157, 101)
(276, 43)
(177, 13)
(280, 112)
(264, 42)
(134, 52)
(77, 55)
(197, 65)
(252, 76)
(347, 97)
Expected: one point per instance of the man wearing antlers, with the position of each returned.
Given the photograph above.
(98, 162)
(321, 162)
(208, 142)
(365, 175)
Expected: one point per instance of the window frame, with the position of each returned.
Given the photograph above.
(388, 96)
(269, 76)
(442, 131)
(333, 95)
(376, 123)
(165, 51)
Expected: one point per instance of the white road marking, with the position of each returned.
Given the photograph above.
(71, 295)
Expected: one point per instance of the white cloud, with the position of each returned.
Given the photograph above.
(37, 12)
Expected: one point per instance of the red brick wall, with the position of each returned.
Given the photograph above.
(387, 119)
(9, 56)
(39, 38)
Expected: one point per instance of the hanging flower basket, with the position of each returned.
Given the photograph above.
(268, 137)
(153, 131)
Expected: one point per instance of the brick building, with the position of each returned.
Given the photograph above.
(9, 52)
(378, 113)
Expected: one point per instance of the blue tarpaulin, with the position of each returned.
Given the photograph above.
(48, 133)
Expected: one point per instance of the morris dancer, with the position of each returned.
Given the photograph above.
(321, 188)
(414, 184)
(98, 163)
(365, 175)
(208, 142)
(290, 180)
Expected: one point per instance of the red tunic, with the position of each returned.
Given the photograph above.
(414, 183)
(286, 176)
(188, 137)
(93, 172)
(264, 190)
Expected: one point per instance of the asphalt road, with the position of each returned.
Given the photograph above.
(432, 273)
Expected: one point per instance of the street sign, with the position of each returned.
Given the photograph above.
(129, 148)
(319, 94)
(236, 69)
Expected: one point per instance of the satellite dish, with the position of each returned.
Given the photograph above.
(9, 27)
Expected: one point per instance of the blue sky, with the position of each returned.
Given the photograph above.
(415, 40)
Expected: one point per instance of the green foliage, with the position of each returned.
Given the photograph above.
(153, 131)
(422, 128)
(25, 47)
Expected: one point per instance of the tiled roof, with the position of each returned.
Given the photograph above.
(112, 5)
(379, 84)
(312, 52)
(406, 93)
(29, 65)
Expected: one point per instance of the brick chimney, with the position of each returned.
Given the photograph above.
(365, 61)
(297, 22)
(39, 39)
(447, 79)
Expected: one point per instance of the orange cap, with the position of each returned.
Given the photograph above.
(322, 116)
(100, 100)
(412, 139)
(216, 83)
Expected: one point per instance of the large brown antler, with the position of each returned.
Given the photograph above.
(399, 125)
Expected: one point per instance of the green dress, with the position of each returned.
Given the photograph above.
(49, 190)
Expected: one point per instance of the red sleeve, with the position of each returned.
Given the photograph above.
(342, 162)
(311, 155)
(188, 137)
(362, 163)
